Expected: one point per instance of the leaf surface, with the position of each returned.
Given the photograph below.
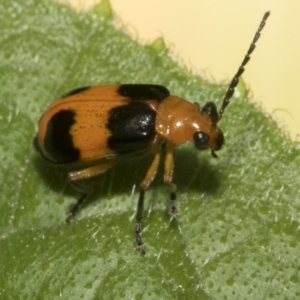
(237, 234)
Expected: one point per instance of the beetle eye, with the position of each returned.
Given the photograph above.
(201, 139)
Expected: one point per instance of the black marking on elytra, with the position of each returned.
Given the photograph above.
(58, 140)
(132, 128)
(38, 148)
(74, 92)
(144, 92)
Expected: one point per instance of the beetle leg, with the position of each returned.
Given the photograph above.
(140, 206)
(138, 226)
(85, 190)
(173, 208)
(90, 171)
(168, 177)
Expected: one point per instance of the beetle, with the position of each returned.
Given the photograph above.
(94, 127)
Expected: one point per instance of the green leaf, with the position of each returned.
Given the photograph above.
(237, 235)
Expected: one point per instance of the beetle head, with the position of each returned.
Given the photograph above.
(213, 139)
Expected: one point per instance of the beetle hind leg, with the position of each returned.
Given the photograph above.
(85, 190)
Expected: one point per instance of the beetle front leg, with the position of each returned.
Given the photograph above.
(173, 208)
(168, 177)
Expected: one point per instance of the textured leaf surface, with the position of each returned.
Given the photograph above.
(238, 232)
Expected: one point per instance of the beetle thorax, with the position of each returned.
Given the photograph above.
(177, 120)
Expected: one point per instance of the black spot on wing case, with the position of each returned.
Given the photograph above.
(58, 140)
(144, 92)
(132, 128)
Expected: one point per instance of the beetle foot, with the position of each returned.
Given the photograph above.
(173, 211)
(70, 217)
(138, 239)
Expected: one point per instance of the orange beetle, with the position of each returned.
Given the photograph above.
(99, 125)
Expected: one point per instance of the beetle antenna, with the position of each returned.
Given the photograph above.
(235, 79)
